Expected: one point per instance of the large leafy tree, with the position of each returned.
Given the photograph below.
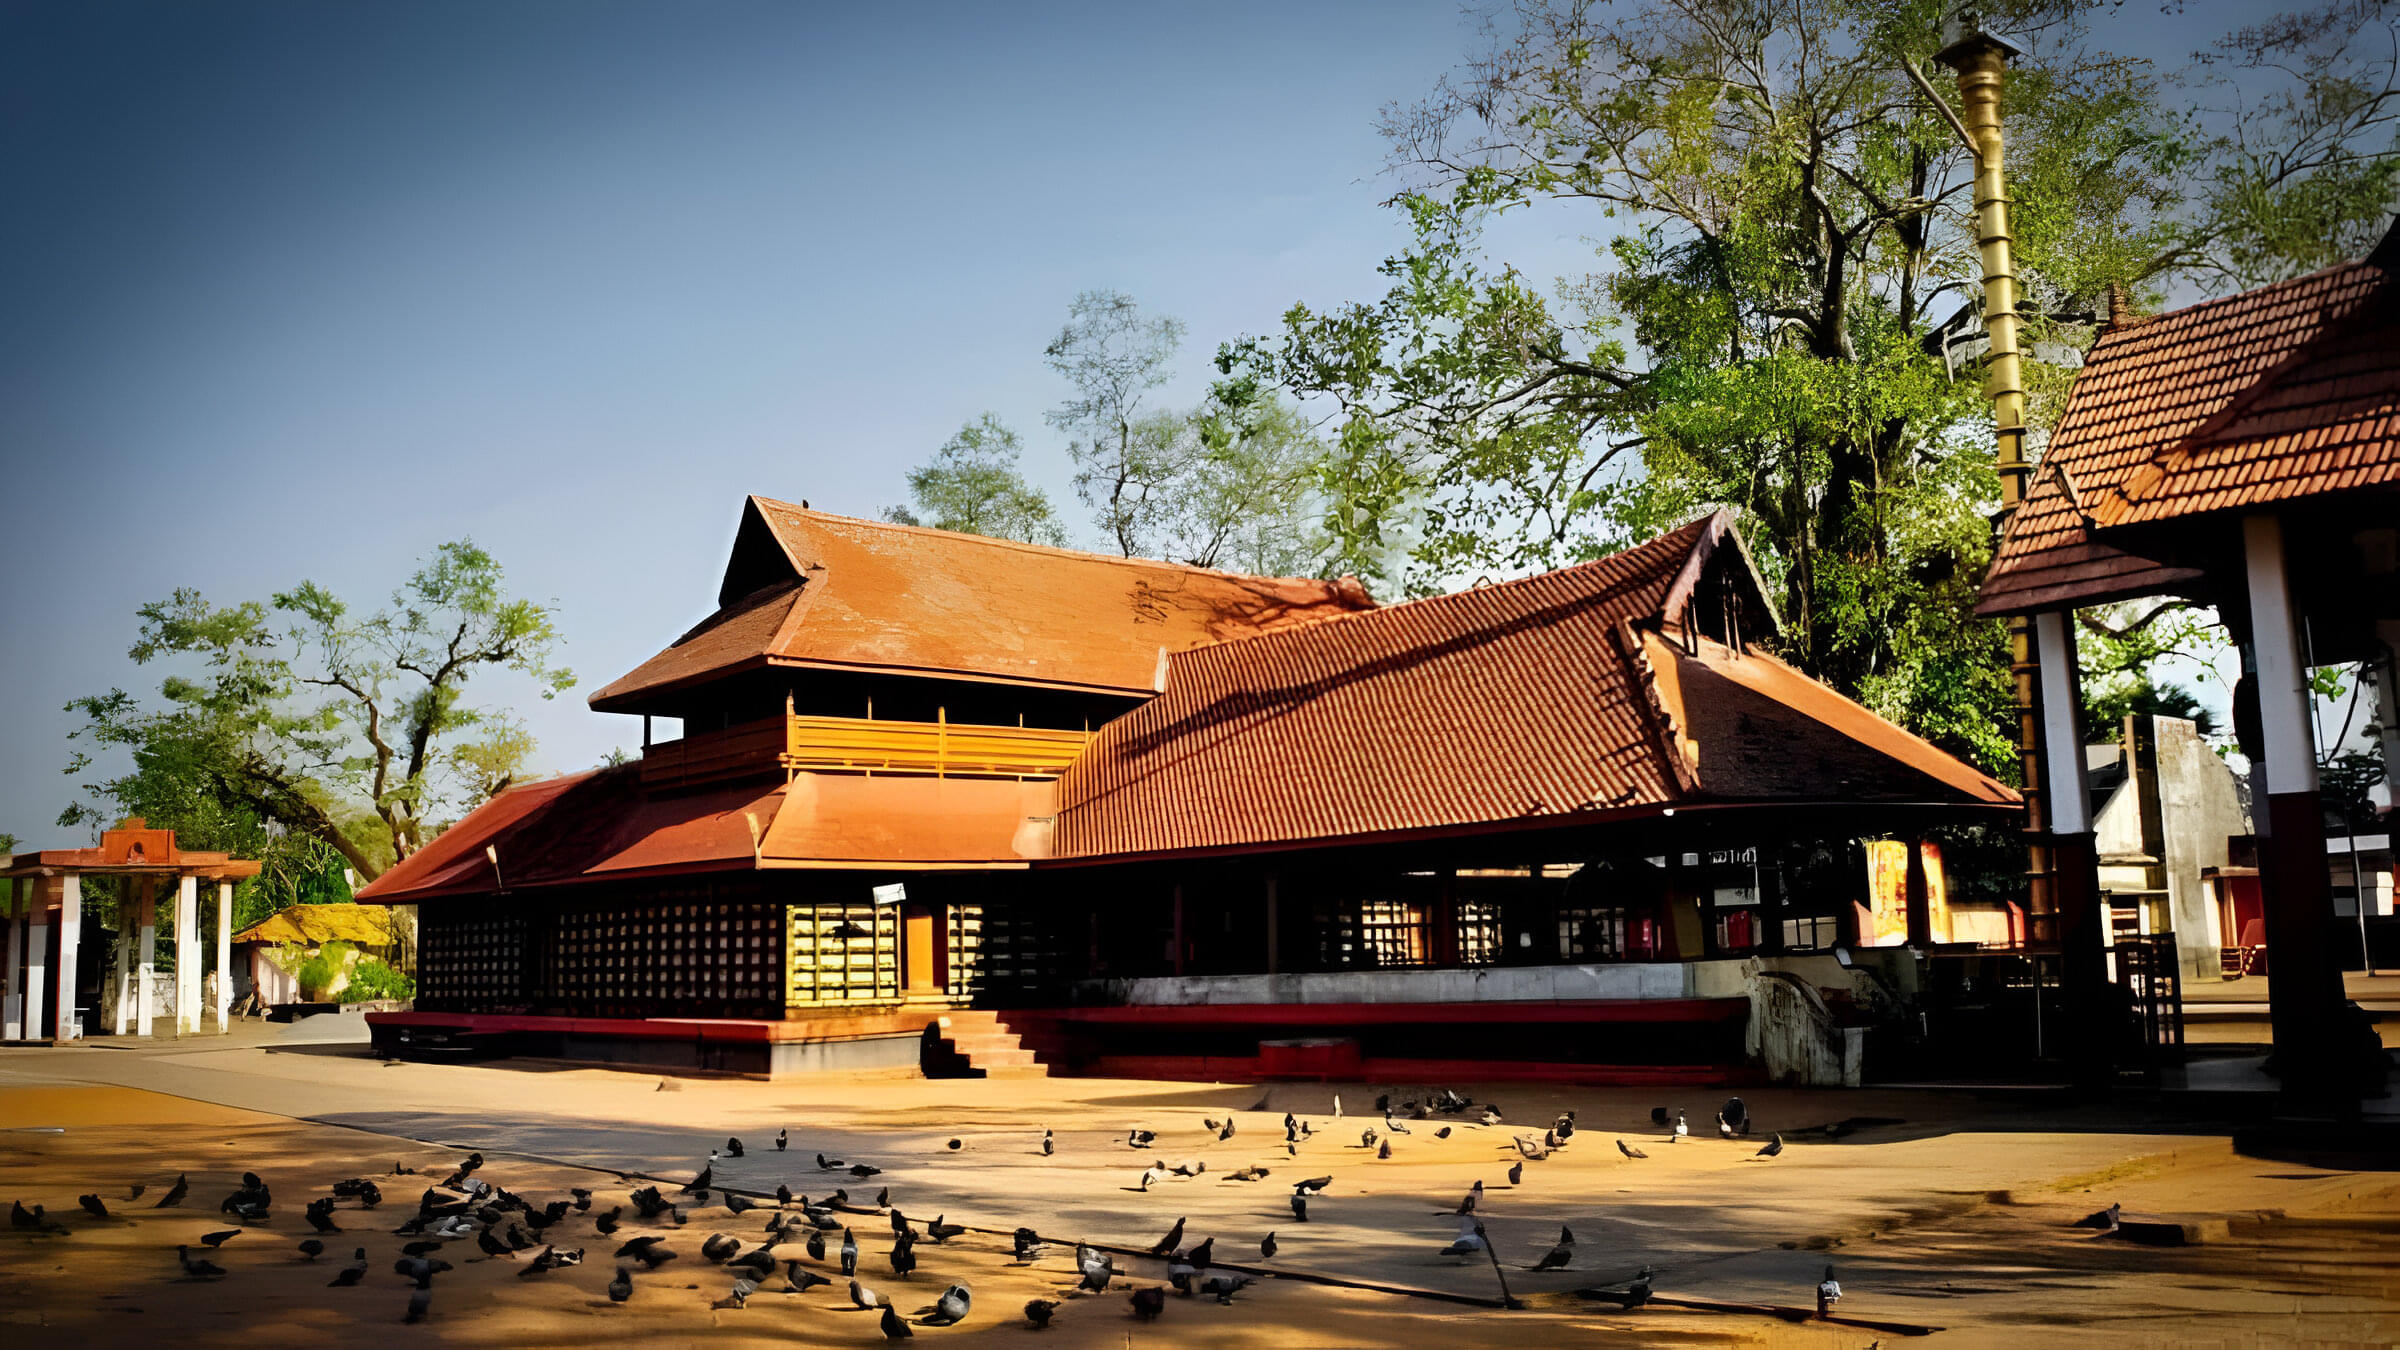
(972, 485)
(1783, 316)
(299, 717)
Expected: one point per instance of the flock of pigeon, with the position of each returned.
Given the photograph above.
(465, 1210)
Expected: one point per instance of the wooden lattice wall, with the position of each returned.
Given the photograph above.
(470, 958)
(683, 949)
(842, 953)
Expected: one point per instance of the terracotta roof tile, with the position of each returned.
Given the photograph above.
(806, 588)
(2260, 397)
(1542, 698)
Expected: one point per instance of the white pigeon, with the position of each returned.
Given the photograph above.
(1470, 1241)
(951, 1308)
(1682, 1130)
(1829, 1292)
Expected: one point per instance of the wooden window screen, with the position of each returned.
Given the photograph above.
(1591, 933)
(1395, 934)
(1480, 935)
(470, 959)
(843, 954)
(678, 947)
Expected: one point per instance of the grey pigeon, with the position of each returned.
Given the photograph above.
(951, 1308)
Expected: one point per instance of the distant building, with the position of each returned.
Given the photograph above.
(2166, 810)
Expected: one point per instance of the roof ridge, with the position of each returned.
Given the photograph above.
(1051, 550)
(2353, 264)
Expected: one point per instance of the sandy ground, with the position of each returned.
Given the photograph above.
(1955, 1216)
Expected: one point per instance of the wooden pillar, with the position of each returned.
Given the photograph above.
(1920, 903)
(1445, 919)
(1274, 924)
(1178, 939)
(2305, 993)
(12, 976)
(224, 956)
(37, 961)
(121, 1015)
(145, 962)
(70, 933)
(2074, 855)
(187, 956)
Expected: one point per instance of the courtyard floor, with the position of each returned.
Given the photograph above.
(1949, 1211)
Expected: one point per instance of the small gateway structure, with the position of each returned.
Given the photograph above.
(975, 805)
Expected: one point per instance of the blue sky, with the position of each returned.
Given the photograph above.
(305, 289)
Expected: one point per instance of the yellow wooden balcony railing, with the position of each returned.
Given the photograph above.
(861, 745)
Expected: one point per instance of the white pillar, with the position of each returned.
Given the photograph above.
(122, 1022)
(224, 956)
(12, 976)
(2387, 703)
(70, 930)
(37, 959)
(2063, 771)
(145, 963)
(187, 956)
(2289, 757)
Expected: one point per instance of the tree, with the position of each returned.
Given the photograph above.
(298, 716)
(1783, 318)
(972, 485)
(1114, 355)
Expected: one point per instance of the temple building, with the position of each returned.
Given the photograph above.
(914, 798)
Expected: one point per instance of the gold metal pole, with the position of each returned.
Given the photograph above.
(1982, 64)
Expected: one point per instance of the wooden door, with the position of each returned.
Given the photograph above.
(920, 941)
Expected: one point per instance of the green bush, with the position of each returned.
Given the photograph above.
(372, 979)
(316, 977)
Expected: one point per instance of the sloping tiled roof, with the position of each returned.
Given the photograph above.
(315, 925)
(1545, 698)
(808, 589)
(2277, 393)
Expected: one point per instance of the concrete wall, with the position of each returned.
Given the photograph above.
(2200, 808)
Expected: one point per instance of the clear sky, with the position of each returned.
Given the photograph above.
(301, 290)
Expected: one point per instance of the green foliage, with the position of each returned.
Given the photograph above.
(1785, 310)
(972, 485)
(2120, 646)
(372, 979)
(315, 976)
(1114, 355)
(298, 715)
(294, 869)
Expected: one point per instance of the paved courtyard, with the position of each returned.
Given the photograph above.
(1941, 1211)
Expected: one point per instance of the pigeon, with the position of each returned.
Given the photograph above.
(1312, 1186)
(175, 1193)
(1245, 1174)
(1733, 1118)
(1564, 1126)
(1300, 1206)
(1682, 1129)
(220, 1237)
(1774, 1147)
(648, 1251)
(551, 1258)
(798, 1281)
(739, 1297)
(621, 1288)
(783, 1140)
(719, 1248)
(607, 1223)
(1267, 1246)
(197, 1267)
(1829, 1292)
(422, 1269)
(1140, 1138)
(321, 1219)
(1383, 1151)
(1049, 1146)
(418, 1303)
(1391, 1126)
(312, 1248)
(733, 1148)
(2105, 1219)
(956, 1144)
(1190, 1167)
(1470, 1241)
(92, 1206)
(1225, 1286)
(862, 1171)
(352, 1273)
(816, 1244)
(1532, 1150)
(739, 1204)
(1170, 1242)
(1037, 1311)
(134, 1192)
(1442, 1133)
(861, 1296)
(849, 1253)
(1337, 1106)
(1094, 1267)
(904, 1258)
(1629, 1150)
(1473, 1197)
(1028, 1244)
(1366, 1137)
(699, 1185)
(951, 1308)
(1558, 1256)
(1490, 1116)
(883, 1198)
(783, 1197)
(1227, 1132)
(1152, 1175)
(940, 1231)
(1516, 1173)
(1149, 1303)
(895, 1328)
(1631, 1294)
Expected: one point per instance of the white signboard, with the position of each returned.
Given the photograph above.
(891, 895)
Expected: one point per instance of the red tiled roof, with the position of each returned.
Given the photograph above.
(808, 589)
(2280, 392)
(1543, 698)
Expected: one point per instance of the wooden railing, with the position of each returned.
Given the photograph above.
(861, 745)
